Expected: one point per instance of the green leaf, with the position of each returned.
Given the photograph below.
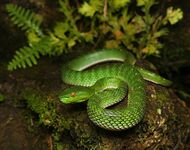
(24, 18)
(174, 15)
(161, 32)
(28, 55)
(2, 97)
(141, 2)
(117, 4)
(88, 36)
(87, 10)
(33, 37)
(71, 42)
(60, 29)
(112, 44)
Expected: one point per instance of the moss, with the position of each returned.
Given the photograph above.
(45, 107)
(2, 97)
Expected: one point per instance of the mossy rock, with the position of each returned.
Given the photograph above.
(166, 125)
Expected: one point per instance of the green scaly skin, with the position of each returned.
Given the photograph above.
(76, 73)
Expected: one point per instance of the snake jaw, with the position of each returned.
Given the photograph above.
(76, 94)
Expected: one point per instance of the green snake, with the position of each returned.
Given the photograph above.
(106, 84)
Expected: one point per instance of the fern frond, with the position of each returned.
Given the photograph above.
(24, 57)
(24, 18)
(28, 55)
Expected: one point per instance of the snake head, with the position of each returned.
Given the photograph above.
(76, 94)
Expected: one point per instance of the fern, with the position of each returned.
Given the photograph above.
(28, 55)
(109, 23)
(24, 18)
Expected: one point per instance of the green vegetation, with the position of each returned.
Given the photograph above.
(45, 107)
(112, 24)
(2, 97)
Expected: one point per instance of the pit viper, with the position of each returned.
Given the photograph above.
(114, 79)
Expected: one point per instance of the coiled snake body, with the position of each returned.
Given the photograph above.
(107, 84)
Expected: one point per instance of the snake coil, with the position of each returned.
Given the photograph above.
(107, 84)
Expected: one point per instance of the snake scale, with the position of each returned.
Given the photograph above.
(107, 84)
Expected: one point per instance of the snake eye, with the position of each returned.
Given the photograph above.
(73, 94)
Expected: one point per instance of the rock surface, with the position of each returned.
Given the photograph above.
(166, 124)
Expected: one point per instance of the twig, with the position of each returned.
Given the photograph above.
(50, 143)
(105, 7)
